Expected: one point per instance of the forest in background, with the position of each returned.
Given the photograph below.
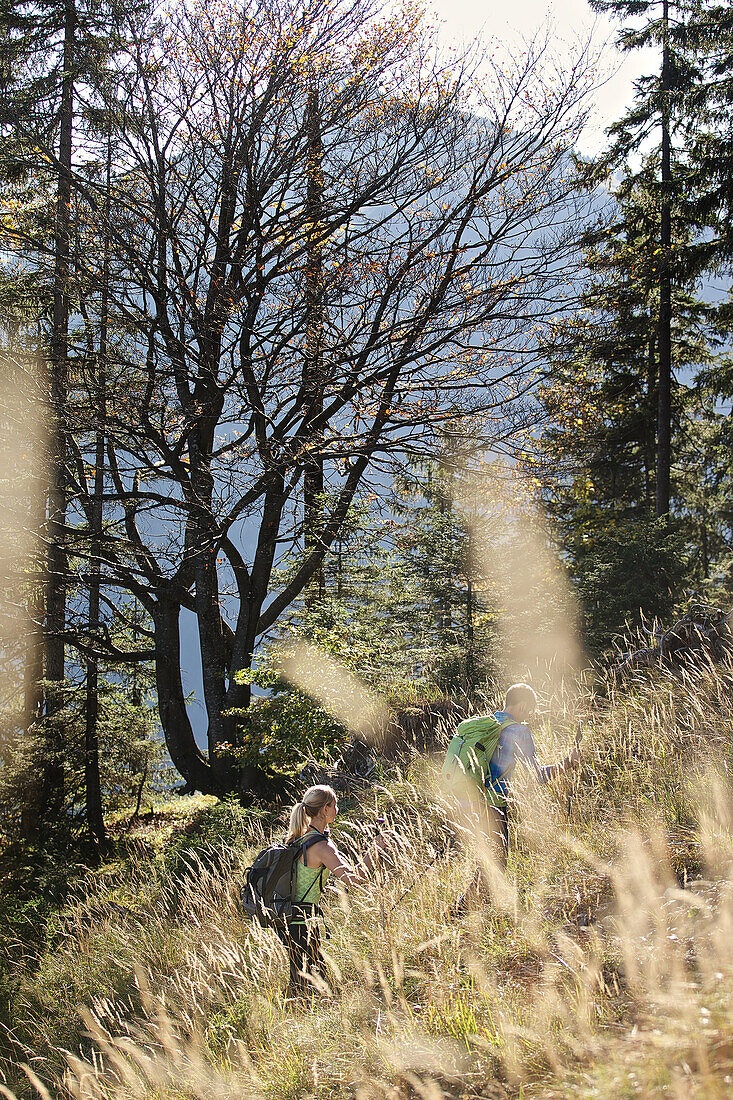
(282, 285)
(314, 335)
(277, 281)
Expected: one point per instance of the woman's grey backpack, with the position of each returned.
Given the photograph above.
(270, 881)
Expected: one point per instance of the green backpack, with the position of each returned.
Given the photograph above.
(467, 759)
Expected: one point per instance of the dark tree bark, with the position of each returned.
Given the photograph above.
(57, 577)
(93, 784)
(59, 353)
(33, 701)
(650, 425)
(180, 740)
(470, 655)
(704, 546)
(664, 419)
(313, 371)
(33, 672)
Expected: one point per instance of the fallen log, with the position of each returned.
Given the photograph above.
(703, 634)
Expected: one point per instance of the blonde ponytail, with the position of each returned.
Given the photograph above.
(314, 799)
(298, 821)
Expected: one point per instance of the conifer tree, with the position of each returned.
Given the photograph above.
(707, 36)
(54, 61)
(656, 111)
(400, 598)
(596, 460)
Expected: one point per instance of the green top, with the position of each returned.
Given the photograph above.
(309, 880)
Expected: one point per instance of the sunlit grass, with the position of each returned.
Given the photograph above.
(601, 966)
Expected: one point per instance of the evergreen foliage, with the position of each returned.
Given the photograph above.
(401, 605)
(707, 37)
(636, 397)
(629, 576)
(130, 763)
(596, 460)
(655, 111)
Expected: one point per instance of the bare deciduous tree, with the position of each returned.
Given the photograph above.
(325, 244)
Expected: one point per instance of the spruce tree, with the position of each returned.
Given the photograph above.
(400, 603)
(657, 111)
(707, 36)
(596, 459)
(53, 75)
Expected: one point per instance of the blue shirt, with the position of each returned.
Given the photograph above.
(516, 745)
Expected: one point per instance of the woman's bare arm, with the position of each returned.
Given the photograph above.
(327, 854)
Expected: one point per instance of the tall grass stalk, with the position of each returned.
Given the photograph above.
(600, 965)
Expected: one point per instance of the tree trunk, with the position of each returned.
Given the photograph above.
(445, 617)
(704, 543)
(57, 565)
(32, 808)
(211, 644)
(207, 605)
(92, 778)
(33, 671)
(135, 692)
(664, 411)
(177, 730)
(251, 599)
(650, 426)
(340, 571)
(56, 584)
(30, 811)
(202, 533)
(314, 341)
(470, 657)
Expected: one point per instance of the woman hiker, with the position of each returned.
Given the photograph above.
(302, 936)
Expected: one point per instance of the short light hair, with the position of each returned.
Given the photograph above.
(520, 694)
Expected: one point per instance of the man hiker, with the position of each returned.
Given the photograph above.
(516, 745)
(481, 760)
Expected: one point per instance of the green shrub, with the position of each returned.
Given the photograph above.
(213, 833)
(279, 733)
(130, 760)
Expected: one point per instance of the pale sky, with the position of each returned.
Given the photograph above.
(464, 20)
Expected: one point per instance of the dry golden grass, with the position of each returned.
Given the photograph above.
(601, 965)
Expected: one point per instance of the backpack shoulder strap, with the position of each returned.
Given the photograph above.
(500, 727)
(314, 839)
(508, 722)
(307, 842)
(303, 845)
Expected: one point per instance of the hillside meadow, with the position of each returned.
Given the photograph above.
(600, 965)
